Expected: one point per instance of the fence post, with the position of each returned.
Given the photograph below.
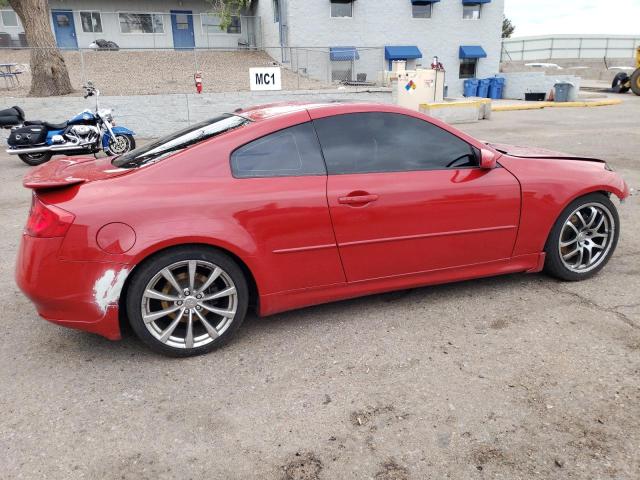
(298, 66)
(83, 74)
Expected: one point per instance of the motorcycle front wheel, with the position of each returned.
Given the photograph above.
(35, 159)
(120, 144)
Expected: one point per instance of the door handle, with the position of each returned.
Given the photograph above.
(357, 199)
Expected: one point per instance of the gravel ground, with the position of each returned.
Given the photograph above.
(158, 71)
(515, 377)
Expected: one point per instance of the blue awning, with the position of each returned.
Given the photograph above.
(342, 54)
(423, 2)
(474, 2)
(472, 51)
(402, 52)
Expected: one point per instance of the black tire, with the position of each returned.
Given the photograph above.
(131, 142)
(619, 83)
(554, 264)
(35, 159)
(148, 270)
(635, 82)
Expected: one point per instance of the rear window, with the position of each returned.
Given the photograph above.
(171, 144)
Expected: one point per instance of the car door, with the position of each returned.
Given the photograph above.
(407, 196)
(281, 179)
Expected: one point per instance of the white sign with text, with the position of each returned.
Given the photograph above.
(265, 78)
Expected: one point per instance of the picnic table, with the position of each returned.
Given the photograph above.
(9, 74)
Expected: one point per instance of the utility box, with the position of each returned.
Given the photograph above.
(415, 87)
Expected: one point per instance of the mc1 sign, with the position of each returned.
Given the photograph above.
(265, 78)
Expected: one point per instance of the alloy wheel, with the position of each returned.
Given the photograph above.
(586, 237)
(119, 145)
(189, 304)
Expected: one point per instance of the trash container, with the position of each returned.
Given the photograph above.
(471, 87)
(563, 90)
(483, 87)
(496, 88)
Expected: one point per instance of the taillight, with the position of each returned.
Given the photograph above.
(47, 220)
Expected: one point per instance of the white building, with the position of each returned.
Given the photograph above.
(338, 38)
(325, 39)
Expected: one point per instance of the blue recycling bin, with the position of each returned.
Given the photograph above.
(471, 87)
(483, 87)
(496, 89)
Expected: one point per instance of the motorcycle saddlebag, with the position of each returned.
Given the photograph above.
(27, 136)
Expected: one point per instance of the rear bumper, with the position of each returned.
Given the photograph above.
(80, 295)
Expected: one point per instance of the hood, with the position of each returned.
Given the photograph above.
(534, 152)
(64, 172)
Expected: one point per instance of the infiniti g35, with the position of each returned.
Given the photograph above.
(283, 206)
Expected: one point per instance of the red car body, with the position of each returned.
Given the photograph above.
(300, 240)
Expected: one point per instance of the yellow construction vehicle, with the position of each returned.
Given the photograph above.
(622, 82)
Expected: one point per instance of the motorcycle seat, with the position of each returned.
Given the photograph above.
(49, 126)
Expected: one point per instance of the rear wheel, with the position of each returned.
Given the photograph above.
(635, 82)
(35, 159)
(619, 84)
(187, 301)
(583, 238)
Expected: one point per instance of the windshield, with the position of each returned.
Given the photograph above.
(169, 145)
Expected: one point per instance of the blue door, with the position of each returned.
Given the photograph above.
(182, 26)
(65, 29)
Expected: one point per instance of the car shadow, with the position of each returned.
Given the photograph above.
(90, 347)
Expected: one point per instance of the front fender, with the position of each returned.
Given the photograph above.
(115, 130)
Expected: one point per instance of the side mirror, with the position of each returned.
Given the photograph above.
(487, 159)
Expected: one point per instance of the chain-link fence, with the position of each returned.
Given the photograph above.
(142, 71)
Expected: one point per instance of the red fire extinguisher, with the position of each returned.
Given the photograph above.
(197, 77)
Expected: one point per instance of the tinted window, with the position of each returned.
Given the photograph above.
(290, 152)
(389, 142)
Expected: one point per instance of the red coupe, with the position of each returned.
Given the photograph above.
(283, 206)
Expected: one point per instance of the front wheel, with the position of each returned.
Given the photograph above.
(583, 238)
(35, 159)
(635, 82)
(120, 144)
(187, 301)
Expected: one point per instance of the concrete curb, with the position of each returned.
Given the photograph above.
(541, 105)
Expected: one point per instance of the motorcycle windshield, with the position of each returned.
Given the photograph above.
(176, 142)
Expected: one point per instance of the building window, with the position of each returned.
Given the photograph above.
(9, 18)
(341, 8)
(276, 11)
(141, 23)
(342, 71)
(421, 10)
(91, 22)
(468, 67)
(471, 12)
(211, 24)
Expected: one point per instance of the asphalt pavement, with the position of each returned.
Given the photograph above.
(514, 377)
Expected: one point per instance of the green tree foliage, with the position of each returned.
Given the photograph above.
(507, 27)
(227, 8)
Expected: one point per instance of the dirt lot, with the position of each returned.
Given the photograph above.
(516, 377)
(157, 71)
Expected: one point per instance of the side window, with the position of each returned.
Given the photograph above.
(389, 142)
(291, 152)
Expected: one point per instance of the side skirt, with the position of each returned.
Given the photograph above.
(289, 300)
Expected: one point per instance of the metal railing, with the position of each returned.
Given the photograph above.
(569, 47)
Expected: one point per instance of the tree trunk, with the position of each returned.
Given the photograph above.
(49, 75)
